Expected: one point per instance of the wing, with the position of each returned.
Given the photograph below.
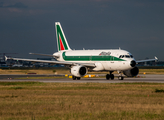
(155, 59)
(55, 62)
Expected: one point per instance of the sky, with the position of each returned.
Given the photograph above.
(133, 25)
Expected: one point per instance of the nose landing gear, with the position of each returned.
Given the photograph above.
(120, 77)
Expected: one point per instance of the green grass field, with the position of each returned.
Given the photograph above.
(81, 101)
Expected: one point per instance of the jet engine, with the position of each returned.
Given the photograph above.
(79, 71)
(131, 73)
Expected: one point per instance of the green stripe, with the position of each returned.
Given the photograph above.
(62, 38)
(90, 58)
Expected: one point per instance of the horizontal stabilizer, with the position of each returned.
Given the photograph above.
(41, 54)
(45, 55)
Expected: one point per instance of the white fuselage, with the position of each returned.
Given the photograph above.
(107, 59)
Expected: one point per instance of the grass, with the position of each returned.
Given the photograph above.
(34, 71)
(32, 78)
(161, 90)
(82, 101)
(151, 71)
(19, 83)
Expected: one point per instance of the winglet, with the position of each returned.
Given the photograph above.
(156, 59)
(6, 58)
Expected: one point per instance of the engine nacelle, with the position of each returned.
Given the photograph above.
(131, 73)
(79, 71)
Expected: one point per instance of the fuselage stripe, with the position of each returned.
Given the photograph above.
(90, 58)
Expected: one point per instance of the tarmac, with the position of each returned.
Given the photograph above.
(140, 78)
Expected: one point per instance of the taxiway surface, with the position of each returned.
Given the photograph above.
(140, 78)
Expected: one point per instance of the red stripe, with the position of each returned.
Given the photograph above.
(61, 44)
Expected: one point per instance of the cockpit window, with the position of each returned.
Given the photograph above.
(126, 56)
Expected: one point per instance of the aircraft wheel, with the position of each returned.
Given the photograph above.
(107, 76)
(78, 78)
(120, 78)
(112, 77)
(74, 77)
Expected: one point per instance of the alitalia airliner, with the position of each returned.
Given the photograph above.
(80, 61)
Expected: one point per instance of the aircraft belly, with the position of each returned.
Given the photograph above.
(115, 65)
(109, 65)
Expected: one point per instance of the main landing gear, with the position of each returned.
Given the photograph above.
(111, 76)
(75, 78)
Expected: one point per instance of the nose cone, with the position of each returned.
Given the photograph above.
(133, 63)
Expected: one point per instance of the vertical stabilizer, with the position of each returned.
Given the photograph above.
(61, 39)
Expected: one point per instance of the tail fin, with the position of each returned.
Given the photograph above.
(61, 39)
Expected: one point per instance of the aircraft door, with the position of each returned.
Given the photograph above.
(90, 58)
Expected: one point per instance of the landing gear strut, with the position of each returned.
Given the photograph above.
(110, 76)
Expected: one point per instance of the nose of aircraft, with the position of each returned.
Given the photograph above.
(133, 63)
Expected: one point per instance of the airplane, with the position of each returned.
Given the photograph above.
(81, 61)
